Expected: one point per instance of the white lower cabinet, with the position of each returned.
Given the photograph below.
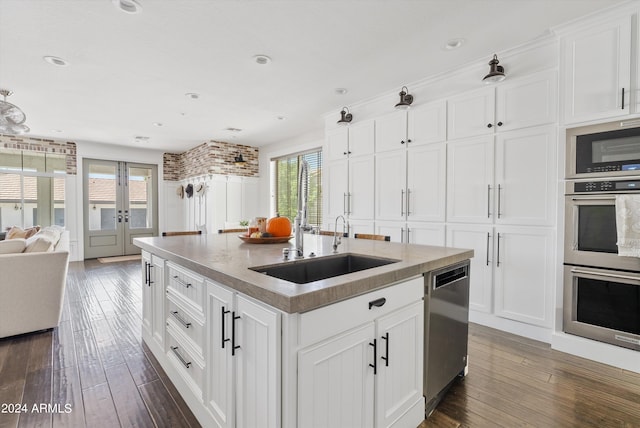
(243, 377)
(370, 375)
(512, 270)
(153, 299)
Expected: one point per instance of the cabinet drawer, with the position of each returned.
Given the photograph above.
(186, 364)
(182, 320)
(330, 320)
(186, 284)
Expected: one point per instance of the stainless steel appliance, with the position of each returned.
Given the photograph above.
(446, 329)
(590, 223)
(601, 288)
(602, 304)
(604, 150)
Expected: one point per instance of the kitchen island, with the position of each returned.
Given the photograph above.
(247, 349)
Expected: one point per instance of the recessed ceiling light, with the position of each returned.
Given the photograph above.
(54, 60)
(281, 118)
(454, 44)
(127, 6)
(158, 124)
(341, 91)
(262, 59)
(231, 129)
(192, 95)
(141, 139)
(56, 130)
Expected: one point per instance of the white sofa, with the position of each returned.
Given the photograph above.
(32, 289)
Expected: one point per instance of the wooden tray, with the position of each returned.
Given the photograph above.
(274, 240)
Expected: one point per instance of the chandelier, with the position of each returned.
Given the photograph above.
(11, 117)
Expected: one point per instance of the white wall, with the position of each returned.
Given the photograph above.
(74, 192)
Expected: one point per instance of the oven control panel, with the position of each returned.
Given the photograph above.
(606, 186)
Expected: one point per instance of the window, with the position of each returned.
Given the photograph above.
(286, 183)
(31, 188)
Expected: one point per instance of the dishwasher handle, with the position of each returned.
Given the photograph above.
(451, 276)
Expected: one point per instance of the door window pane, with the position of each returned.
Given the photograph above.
(11, 159)
(140, 182)
(10, 200)
(102, 197)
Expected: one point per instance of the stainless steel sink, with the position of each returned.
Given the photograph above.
(304, 271)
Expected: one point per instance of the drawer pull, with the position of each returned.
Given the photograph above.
(184, 362)
(377, 303)
(179, 318)
(181, 282)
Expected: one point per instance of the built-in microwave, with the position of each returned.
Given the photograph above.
(604, 150)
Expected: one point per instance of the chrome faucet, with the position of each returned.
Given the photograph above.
(337, 240)
(300, 222)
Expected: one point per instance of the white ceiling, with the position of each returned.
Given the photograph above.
(128, 71)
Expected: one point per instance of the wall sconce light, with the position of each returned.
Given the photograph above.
(345, 117)
(239, 160)
(496, 72)
(405, 99)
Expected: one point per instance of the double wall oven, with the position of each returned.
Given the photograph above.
(601, 288)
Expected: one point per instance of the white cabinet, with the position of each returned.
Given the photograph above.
(390, 185)
(243, 363)
(421, 233)
(514, 104)
(469, 180)
(153, 295)
(369, 374)
(348, 175)
(427, 123)
(356, 140)
(524, 274)
(391, 131)
(479, 238)
(596, 66)
(471, 113)
(426, 182)
(514, 186)
(336, 188)
(360, 195)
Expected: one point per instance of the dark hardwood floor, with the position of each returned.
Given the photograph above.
(94, 371)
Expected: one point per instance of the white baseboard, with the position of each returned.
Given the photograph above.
(601, 352)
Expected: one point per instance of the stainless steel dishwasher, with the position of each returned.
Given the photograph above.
(446, 329)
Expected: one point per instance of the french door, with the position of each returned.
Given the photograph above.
(120, 203)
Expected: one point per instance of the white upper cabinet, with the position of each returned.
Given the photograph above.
(596, 65)
(360, 196)
(336, 187)
(428, 123)
(361, 138)
(390, 185)
(426, 182)
(515, 104)
(471, 113)
(391, 131)
(528, 101)
(337, 143)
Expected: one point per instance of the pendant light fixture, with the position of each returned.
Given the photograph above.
(496, 72)
(345, 117)
(239, 160)
(405, 99)
(11, 117)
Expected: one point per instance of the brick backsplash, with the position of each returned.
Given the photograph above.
(67, 148)
(212, 157)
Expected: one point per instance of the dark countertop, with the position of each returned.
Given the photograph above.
(224, 258)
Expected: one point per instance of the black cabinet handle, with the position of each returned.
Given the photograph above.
(344, 153)
(402, 142)
(375, 356)
(146, 273)
(499, 123)
(224, 313)
(409, 140)
(386, 349)
(234, 317)
(377, 303)
(622, 99)
(489, 125)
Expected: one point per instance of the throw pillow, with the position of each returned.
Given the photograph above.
(50, 232)
(39, 244)
(18, 232)
(11, 246)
